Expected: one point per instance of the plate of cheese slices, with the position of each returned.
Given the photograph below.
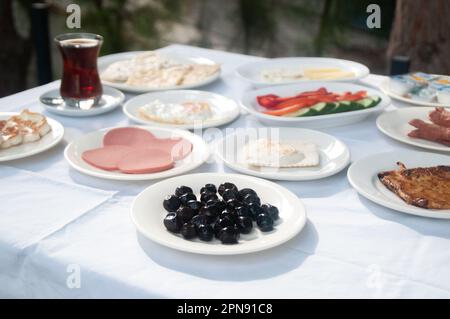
(27, 133)
(293, 154)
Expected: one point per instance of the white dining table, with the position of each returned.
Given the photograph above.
(68, 235)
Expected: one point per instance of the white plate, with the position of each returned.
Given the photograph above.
(251, 72)
(24, 150)
(395, 125)
(384, 86)
(225, 109)
(334, 155)
(53, 103)
(93, 140)
(362, 175)
(105, 61)
(148, 213)
(248, 101)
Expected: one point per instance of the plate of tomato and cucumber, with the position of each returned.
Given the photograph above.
(314, 105)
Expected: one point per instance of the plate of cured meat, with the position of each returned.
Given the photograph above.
(416, 183)
(136, 153)
(425, 127)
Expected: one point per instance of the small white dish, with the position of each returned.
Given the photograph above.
(105, 61)
(225, 110)
(24, 150)
(362, 175)
(249, 103)
(92, 140)
(384, 86)
(251, 72)
(334, 155)
(395, 125)
(53, 103)
(147, 213)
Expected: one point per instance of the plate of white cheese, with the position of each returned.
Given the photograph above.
(146, 71)
(183, 109)
(282, 153)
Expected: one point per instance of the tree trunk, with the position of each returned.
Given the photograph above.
(15, 53)
(421, 31)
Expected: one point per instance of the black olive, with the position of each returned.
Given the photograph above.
(255, 210)
(173, 222)
(188, 230)
(187, 197)
(198, 220)
(229, 235)
(185, 213)
(221, 206)
(229, 194)
(194, 205)
(208, 188)
(206, 196)
(244, 211)
(212, 202)
(271, 210)
(251, 199)
(244, 192)
(233, 203)
(171, 203)
(205, 232)
(210, 212)
(264, 222)
(229, 213)
(181, 190)
(225, 221)
(245, 224)
(225, 186)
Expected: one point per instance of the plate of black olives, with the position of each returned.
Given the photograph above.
(218, 214)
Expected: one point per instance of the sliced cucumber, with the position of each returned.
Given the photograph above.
(366, 102)
(300, 112)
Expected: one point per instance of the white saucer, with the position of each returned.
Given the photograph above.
(53, 103)
(334, 155)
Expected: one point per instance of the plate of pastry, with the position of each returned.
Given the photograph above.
(293, 154)
(419, 89)
(136, 153)
(183, 109)
(425, 127)
(416, 183)
(145, 71)
(27, 133)
(277, 71)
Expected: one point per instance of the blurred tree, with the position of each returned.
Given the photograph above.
(422, 32)
(15, 53)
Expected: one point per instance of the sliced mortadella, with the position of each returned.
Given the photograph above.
(179, 148)
(106, 157)
(129, 136)
(146, 160)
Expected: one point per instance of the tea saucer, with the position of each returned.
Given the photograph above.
(53, 102)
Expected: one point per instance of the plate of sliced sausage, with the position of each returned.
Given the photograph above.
(136, 153)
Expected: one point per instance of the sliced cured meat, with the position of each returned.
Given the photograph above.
(129, 136)
(147, 160)
(106, 157)
(431, 132)
(178, 148)
(440, 116)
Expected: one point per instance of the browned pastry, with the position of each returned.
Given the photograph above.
(426, 187)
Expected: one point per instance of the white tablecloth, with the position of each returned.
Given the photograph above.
(350, 247)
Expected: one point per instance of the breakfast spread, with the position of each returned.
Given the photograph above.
(422, 87)
(152, 69)
(287, 75)
(315, 103)
(26, 127)
(177, 113)
(133, 150)
(425, 187)
(226, 217)
(269, 153)
(436, 131)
